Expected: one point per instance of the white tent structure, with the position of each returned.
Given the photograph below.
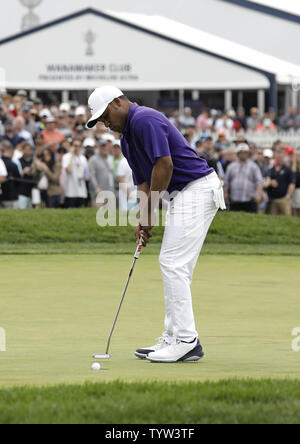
(137, 52)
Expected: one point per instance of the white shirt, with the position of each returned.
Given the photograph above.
(224, 124)
(75, 186)
(125, 171)
(3, 170)
(26, 136)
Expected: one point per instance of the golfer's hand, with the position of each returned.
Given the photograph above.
(144, 234)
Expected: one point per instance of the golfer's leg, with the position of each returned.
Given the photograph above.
(181, 247)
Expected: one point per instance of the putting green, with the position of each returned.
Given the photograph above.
(57, 311)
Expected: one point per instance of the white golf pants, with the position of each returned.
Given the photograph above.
(188, 220)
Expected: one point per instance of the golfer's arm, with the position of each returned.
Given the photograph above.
(161, 177)
(162, 174)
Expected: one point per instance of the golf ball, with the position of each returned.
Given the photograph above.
(96, 367)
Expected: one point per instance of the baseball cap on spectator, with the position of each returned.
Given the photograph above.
(50, 119)
(80, 111)
(89, 142)
(102, 142)
(289, 150)
(268, 153)
(117, 143)
(204, 136)
(242, 147)
(22, 92)
(108, 137)
(65, 107)
(99, 101)
(240, 139)
(213, 112)
(45, 113)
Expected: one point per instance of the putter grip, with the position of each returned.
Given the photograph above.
(138, 250)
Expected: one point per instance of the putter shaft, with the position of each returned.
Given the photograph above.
(136, 257)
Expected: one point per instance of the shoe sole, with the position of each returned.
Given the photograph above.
(140, 356)
(180, 361)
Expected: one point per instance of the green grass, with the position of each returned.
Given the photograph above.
(61, 281)
(61, 227)
(224, 402)
(58, 309)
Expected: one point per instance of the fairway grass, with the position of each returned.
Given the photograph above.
(57, 311)
(224, 402)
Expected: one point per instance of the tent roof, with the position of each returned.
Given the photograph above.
(287, 10)
(285, 72)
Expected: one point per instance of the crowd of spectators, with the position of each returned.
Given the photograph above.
(48, 159)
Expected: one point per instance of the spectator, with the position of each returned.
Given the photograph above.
(62, 125)
(190, 135)
(187, 119)
(266, 162)
(80, 115)
(27, 183)
(10, 135)
(243, 183)
(296, 194)
(3, 172)
(109, 139)
(10, 189)
(224, 123)
(89, 146)
(52, 137)
(241, 118)
(254, 119)
(289, 156)
(49, 170)
(39, 143)
(128, 191)
(20, 131)
(30, 124)
(115, 159)
(222, 143)
(204, 149)
(203, 122)
(175, 119)
(227, 157)
(75, 167)
(65, 109)
(280, 185)
(265, 124)
(291, 120)
(101, 176)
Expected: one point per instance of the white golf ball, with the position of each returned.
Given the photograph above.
(96, 367)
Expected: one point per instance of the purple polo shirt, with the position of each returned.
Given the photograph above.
(149, 135)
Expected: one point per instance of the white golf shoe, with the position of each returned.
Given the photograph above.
(178, 351)
(162, 343)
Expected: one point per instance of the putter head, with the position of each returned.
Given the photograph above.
(105, 356)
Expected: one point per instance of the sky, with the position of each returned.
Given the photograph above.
(11, 15)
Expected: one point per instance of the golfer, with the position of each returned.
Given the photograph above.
(162, 160)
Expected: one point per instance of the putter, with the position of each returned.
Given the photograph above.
(136, 257)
